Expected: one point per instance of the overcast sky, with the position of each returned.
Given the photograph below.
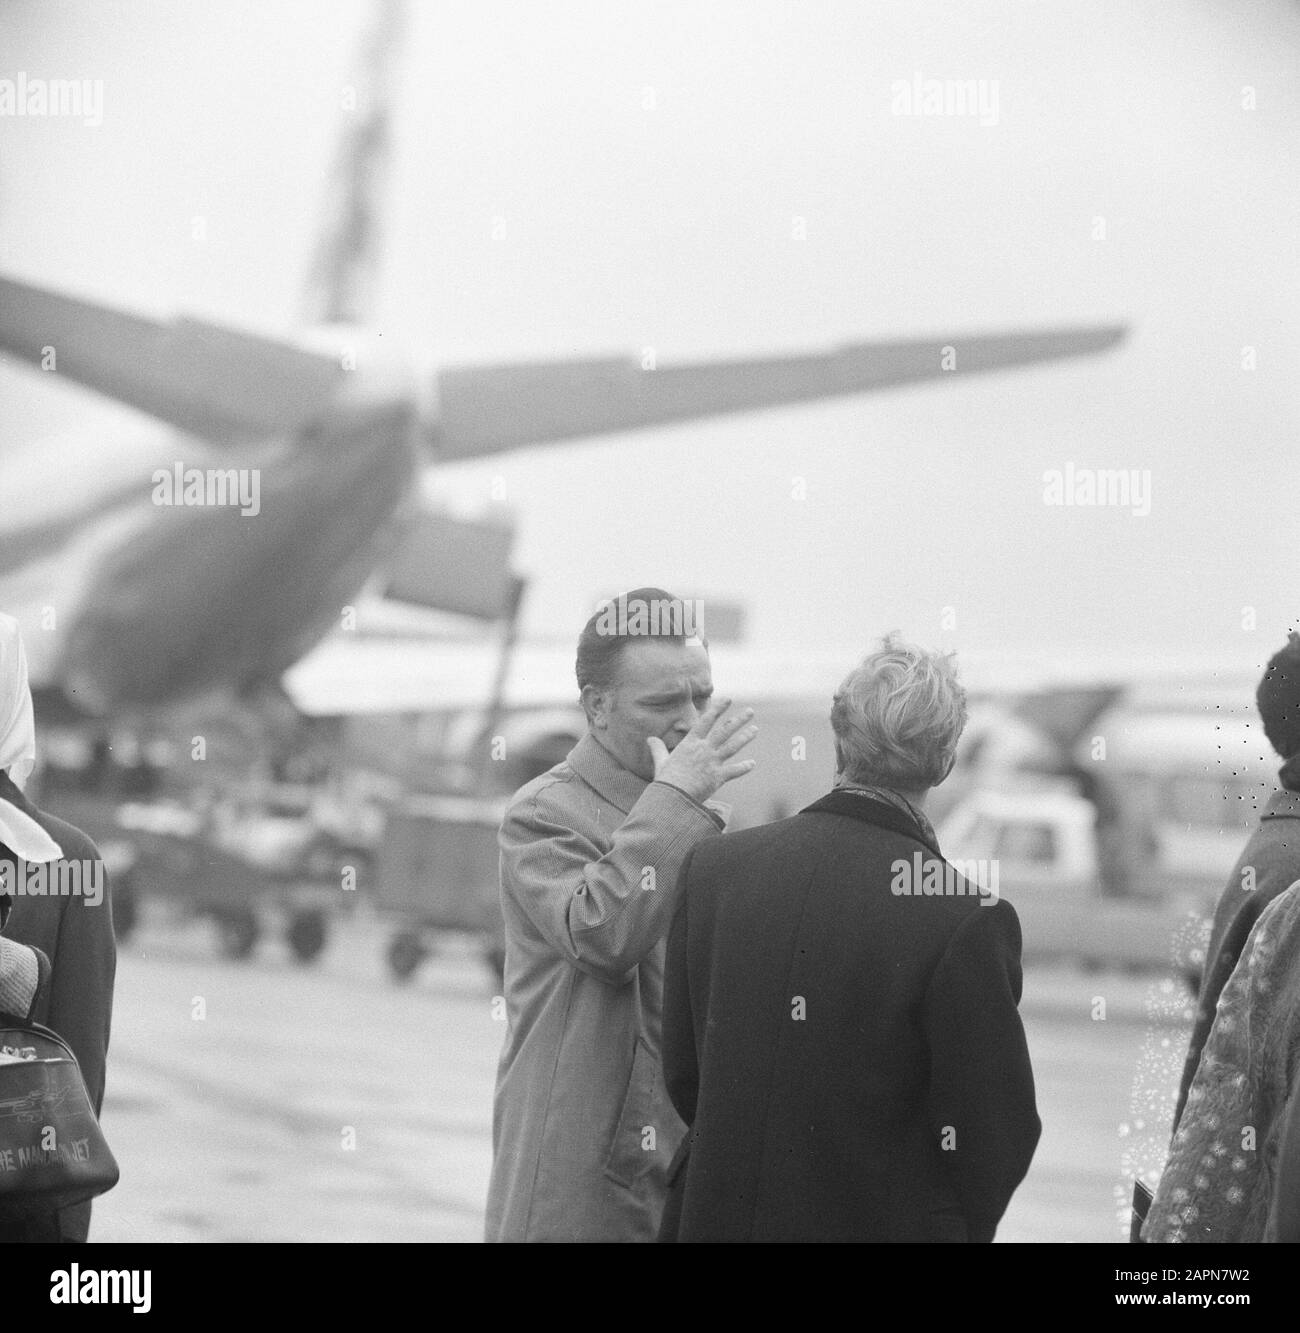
(603, 177)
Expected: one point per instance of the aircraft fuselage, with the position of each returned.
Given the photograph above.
(209, 594)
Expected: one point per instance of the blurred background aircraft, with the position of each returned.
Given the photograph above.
(199, 595)
(286, 719)
(192, 579)
(153, 622)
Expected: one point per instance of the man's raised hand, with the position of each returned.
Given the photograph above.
(704, 757)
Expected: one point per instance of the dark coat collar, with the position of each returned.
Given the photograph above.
(871, 811)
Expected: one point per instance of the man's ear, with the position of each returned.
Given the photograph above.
(595, 703)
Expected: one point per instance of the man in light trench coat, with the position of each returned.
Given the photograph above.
(583, 1130)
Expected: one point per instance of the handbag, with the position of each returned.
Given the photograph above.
(52, 1151)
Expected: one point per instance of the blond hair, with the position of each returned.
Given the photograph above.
(898, 716)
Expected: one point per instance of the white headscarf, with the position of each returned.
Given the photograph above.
(19, 831)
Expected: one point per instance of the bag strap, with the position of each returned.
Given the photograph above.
(28, 1025)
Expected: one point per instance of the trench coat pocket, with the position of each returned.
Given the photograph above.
(628, 1159)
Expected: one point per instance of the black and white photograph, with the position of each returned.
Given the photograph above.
(649, 621)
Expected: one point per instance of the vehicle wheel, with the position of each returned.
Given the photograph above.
(495, 957)
(405, 954)
(307, 934)
(125, 912)
(237, 933)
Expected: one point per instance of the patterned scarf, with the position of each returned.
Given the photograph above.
(898, 801)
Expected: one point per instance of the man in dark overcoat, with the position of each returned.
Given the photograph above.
(841, 1031)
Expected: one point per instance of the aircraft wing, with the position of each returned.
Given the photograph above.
(486, 409)
(225, 385)
(210, 381)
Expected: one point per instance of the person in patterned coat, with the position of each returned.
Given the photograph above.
(1269, 862)
(1220, 1182)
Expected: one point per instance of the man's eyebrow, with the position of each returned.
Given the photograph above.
(668, 696)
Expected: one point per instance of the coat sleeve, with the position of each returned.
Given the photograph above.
(1234, 920)
(80, 998)
(680, 1059)
(24, 979)
(604, 913)
(1284, 1216)
(981, 1099)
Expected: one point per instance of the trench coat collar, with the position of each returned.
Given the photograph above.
(1282, 805)
(870, 811)
(599, 769)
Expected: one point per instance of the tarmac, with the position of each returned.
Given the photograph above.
(267, 1100)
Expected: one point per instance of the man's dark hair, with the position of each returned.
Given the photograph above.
(643, 613)
(1278, 698)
